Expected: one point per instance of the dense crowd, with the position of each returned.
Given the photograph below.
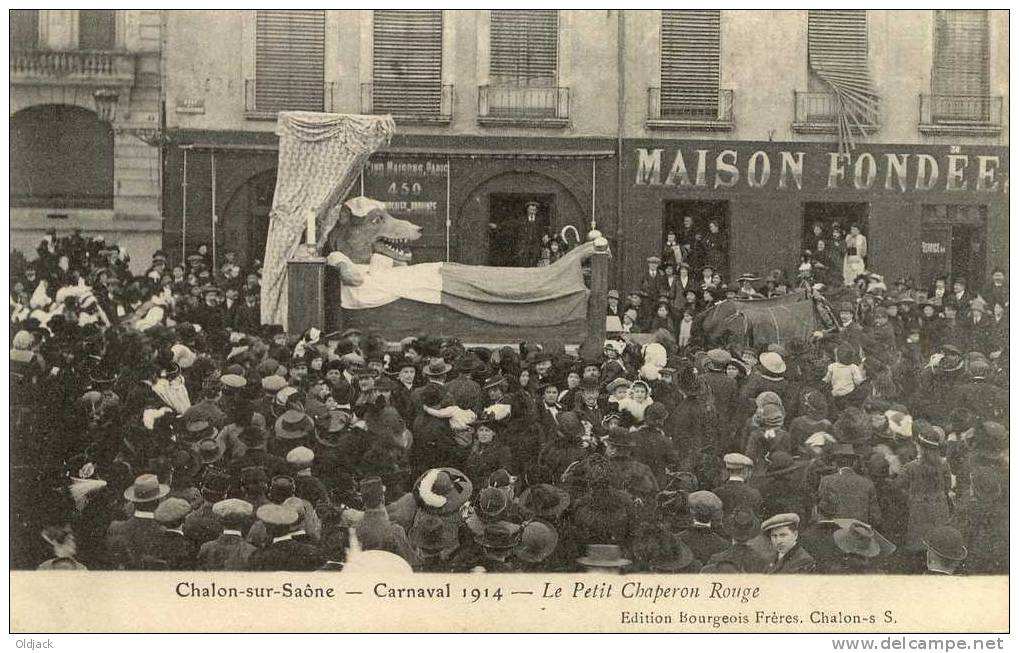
(157, 424)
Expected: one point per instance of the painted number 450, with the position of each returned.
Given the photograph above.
(404, 188)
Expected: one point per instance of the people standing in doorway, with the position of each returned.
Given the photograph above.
(713, 248)
(855, 262)
(528, 232)
(687, 238)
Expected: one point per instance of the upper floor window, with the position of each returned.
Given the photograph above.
(97, 29)
(961, 74)
(524, 47)
(961, 53)
(407, 62)
(289, 62)
(24, 29)
(690, 63)
(840, 92)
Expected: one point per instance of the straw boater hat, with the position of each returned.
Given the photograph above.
(603, 555)
(293, 424)
(436, 367)
(146, 488)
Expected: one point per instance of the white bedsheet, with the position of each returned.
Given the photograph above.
(385, 283)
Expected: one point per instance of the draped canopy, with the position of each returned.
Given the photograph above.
(320, 157)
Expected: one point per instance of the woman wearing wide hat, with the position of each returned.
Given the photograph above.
(782, 490)
(927, 482)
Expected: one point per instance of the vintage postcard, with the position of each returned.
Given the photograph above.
(509, 320)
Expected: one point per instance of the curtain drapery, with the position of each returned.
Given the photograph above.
(320, 157)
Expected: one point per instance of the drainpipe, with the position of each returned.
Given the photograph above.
(620, 113)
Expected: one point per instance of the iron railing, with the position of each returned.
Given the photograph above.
(821, 109)
(408, 101)
(691, 106)
(72, 66)
(524, 102)
(267, 105)
(975, 110)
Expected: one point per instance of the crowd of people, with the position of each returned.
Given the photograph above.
(157, 424)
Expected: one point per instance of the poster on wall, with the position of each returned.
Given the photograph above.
(413, 189)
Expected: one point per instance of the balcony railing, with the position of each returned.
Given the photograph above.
(542, 106)
(817, 112)
(267, 103)
(81, 67)
(411, 103)
(690, 109)
(960, 112)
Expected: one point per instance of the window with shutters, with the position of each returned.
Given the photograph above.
(289, 63)
(97, 30)
(523, 69)
(840, 97)
(689, 89)
(24, 29)
(961, 72)
(407, 66)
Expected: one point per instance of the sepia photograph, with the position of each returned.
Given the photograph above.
(474, 306)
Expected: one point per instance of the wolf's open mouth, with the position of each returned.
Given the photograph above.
(393, 248)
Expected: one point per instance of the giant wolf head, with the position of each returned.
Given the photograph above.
(364, 226)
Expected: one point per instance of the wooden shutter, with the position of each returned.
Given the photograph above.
(407, 62)
(24, 29)
(961, 53)
(837, 55)
(524, 47)
(97, 30)
(289, 60)
(690, 63)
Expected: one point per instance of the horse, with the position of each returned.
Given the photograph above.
(760, 322)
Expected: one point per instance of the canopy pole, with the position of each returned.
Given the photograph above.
(449, 222)
(184, 213)
(594, 193)
(215, 219)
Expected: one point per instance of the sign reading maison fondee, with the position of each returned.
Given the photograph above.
(780, 167)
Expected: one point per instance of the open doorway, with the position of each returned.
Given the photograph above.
(954, 244)
(701, 229)
(508, 242)
(825, 226)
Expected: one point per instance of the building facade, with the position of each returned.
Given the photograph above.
(766, 122)
(85, 126)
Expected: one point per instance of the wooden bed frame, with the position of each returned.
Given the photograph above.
(313, 301)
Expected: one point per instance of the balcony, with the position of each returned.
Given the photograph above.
(524, 106)
(267, 102)
(689, 110)
(816, 113)
(102, 68)
(974, 115)
(428, 104)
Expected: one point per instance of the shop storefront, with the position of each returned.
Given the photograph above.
(925, 210)
(462, 191)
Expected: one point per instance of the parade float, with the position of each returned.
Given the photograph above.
(334, 263)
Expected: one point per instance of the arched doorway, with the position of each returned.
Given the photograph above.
(246, 217)
(61, 158)
(498, 199)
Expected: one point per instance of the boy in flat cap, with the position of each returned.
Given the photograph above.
(283, 553)
(790, 557)
(229, 551)
(176, 551)
(736, 491)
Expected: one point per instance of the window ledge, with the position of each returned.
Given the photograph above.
(664, 124)
(824, 128)
(261, 115)
(539, 123)
(423, 119)
(960, 129)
